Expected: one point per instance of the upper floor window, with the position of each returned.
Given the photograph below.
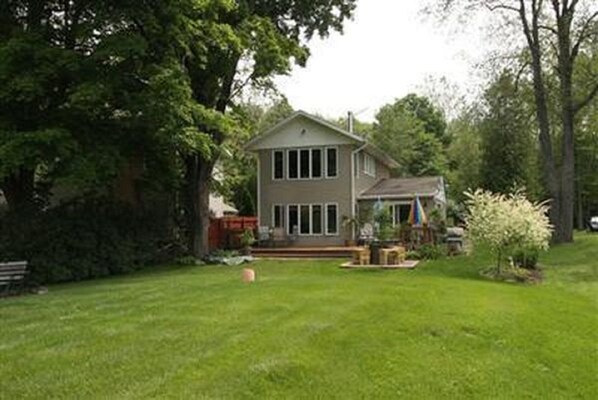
(369, 165)
(331, 162)
(304, 163)
(278, 164)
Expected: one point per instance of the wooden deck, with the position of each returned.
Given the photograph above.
(407, 264)
(303, 252)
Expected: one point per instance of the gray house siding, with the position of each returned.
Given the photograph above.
(310, 191)
(364, 181)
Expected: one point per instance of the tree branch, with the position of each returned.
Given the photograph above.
(501, 7)
(583, 35)
(579, 106)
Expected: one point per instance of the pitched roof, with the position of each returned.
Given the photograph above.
(260, 137)
(370, 148)
(405, 187)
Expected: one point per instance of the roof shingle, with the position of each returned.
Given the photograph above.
(404, 187)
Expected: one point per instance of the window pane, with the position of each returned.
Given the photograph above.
(278, 216)
(278, 164)
(293, 219)
(316, 163)
(293, 168)
(331, 219)
(304, 223)
(304, 154)
(404, 210)
(316, 219)
(331, 162)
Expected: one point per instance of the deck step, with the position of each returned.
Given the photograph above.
(298, 252)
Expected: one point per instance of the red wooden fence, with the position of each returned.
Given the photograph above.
(224, 232)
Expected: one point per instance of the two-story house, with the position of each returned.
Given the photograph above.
(312, 174)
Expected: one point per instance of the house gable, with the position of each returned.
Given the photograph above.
(302, 130)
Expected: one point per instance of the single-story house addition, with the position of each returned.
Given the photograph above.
(312, 174)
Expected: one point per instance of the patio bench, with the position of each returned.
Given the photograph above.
(12, 277)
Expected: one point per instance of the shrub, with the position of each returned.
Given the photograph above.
(526, 258)
(507, 223)
(87, 239)
(431, 252)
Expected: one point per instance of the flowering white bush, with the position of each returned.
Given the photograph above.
(507, 222)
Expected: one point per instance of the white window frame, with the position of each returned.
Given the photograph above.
(289, 165)
(310, 218)
(326, 232)
(274, 215)
(369, 165)
(326, 162)
(274, 178)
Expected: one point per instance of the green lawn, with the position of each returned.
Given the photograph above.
(308, 329)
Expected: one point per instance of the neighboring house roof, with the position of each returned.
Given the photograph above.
(428, 186)
(218, 208)
(253, 144)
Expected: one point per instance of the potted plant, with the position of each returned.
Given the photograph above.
(247, 239)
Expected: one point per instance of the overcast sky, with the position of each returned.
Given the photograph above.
(387, 51)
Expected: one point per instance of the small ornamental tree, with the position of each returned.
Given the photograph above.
(506, 223)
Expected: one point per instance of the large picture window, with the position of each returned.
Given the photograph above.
(307, 218)
(331, 162)
(331, 219)
(278, 165)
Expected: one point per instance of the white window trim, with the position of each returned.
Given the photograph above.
(326, 219)
(326, 162)
(274, 215)
(310, 218)
(310, 151)
(368, 160)
(274, 165)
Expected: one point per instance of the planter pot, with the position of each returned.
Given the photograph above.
(375, 254)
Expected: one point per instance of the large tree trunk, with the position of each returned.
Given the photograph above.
(564, 230)
(198, 177)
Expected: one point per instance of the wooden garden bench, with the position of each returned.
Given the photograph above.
(12, 277)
